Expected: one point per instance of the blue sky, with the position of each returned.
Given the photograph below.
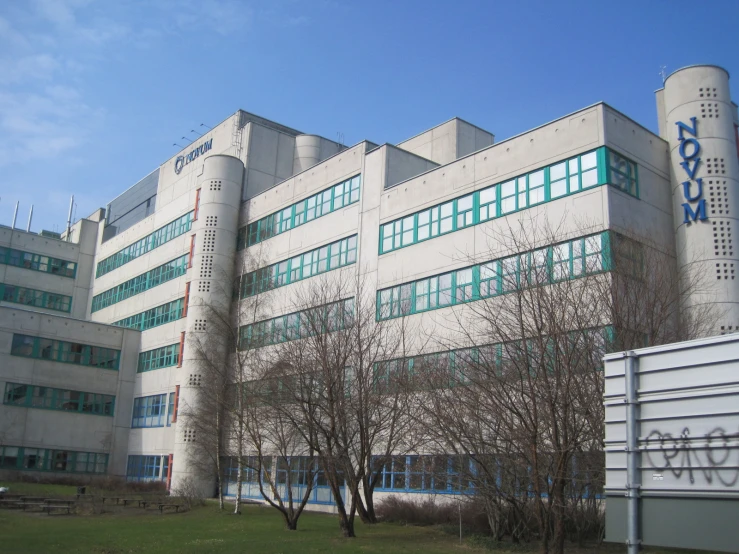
(94, 93)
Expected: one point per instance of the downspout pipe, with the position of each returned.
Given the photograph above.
(633, 457)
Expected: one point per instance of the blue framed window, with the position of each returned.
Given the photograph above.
(145, 281)
(568, 260)
(147, 468)
(332, 256)
(159, 237)
(65, 352)
(34, 396)
(320, 204)
(150, 411)
(570, 176)
(35, 298)
(424, 474)
(37, 262)
(166, 313)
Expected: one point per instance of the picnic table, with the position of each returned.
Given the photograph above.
(116, 498)
(49, 507)
(162, 505)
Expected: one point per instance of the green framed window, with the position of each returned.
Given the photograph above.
(320, 204)
(154, 317)
(622, 173)
(314, 262)
(170, 231)
(48, 398)
(65, 352)
(37, 262)
(158, 358)
(569, 176)
(45, 459)
(145, 281)
(321, 319)
(35, 298)
(567, 260)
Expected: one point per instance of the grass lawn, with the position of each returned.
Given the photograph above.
(202, 530)
(206, 529)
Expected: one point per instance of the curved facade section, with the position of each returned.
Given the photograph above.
(705, 175)
(210, 285)
(307, 152)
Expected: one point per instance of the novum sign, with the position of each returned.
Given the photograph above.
(182, 161)
(689, 149)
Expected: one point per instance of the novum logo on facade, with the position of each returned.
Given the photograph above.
(182, 161)
(689, 149)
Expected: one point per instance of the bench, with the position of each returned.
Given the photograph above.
(48, 507)
(162, 506)
(116, 498)
(10, 503)
(143, 503)
(25, 505)
(59, 501)
(31, 499)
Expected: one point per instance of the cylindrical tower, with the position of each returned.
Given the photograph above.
(307, 152)
(699, 126)
(210, 286)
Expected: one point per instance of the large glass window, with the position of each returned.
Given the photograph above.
(33, 396)
(150, 411)
(570, 259)
(166, 313)
(542, 185)
(320, 260)
(159, 237)
(46, 459)
(37, 262)
(166, 356)
(66, 352)
(325, 202)
(146, 468)
(150, 279)
(321, 319)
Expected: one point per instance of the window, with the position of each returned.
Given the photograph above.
(161, 236)
(488, 203)
(66, 352)
(542, 185)
(150, 279)
(322, 319)
(166, 356)
(543, 266)
(465, 211)
(33, 396)
(325, 258)
(325, 202)
(622, 173)
(37, 262)
(149, 411)
(427, 474)
(166, 313)
(45, 459)
(146, 468)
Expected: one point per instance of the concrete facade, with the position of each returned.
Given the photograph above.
(619, 177)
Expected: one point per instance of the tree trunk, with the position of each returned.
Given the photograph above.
(239, 485)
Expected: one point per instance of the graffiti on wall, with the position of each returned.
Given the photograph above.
(715, 455)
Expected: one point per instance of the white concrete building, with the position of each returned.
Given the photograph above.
(398, 214)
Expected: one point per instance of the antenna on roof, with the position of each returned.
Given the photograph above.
(188, 139)
(663, 73)
(15, 214)
(340, 138)
(175, 144)
(69, 217)
(30, 218)
(197, 133)
(204, 125)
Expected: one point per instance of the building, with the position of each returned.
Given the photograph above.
(404, 214)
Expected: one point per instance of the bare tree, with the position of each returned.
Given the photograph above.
(518, 391)
(330, 355)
